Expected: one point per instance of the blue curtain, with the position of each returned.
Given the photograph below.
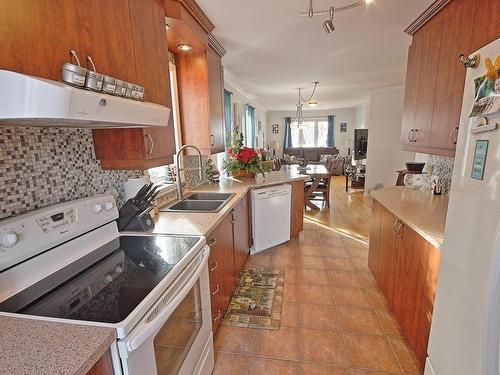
(288, 134)
(227, 118)
(330, 141)
(250, 126)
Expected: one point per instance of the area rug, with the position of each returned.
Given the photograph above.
(257, 300)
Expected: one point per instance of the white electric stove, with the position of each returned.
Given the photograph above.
(68, 263)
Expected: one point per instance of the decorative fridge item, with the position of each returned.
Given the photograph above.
(479, 161)
(212, 173)
(242, 161)
(482, 125)
(487, 90)
(437, 186)
(343, 127)
(275, 129)
(414, 180)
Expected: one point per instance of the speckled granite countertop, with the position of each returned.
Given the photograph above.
(201, 224)
(419, 209)
(30, 346)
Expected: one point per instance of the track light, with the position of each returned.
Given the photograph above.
(328, 26)
(310, 12)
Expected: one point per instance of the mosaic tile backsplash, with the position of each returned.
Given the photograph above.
(442, 166)
(43, 166)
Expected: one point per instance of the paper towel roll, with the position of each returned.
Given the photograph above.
(133, 185)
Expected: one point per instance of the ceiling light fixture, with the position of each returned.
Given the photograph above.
(184, 47)
(328, 25)
(299, 116)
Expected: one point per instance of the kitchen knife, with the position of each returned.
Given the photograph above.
(141, 191)
(141, 197)
(149, 194)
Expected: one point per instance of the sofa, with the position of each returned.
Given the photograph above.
(313, 155)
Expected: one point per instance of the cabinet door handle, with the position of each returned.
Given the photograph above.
(454, 139)
(219, 313)
(217, 289)
(212, 140)
(212, 242)
(372, 204)
(233, 217)
(414, 138)
(399, 230)
(394, 226)
(151, 143)
(214, 266)
(410, 133)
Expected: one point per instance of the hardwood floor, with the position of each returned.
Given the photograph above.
(335, 320)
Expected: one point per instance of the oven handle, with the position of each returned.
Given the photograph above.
(137, 338)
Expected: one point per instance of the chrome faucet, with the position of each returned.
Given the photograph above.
(179, 169)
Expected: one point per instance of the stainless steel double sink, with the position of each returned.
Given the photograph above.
(200, 202)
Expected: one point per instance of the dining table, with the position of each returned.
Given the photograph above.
(316, 172)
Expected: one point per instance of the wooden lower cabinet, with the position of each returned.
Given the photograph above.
(405, 267)
(103, 366)
(241, 224)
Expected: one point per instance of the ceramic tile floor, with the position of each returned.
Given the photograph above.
(334, 320)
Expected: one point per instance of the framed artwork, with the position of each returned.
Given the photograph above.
(343, 127)
(259, 126)
(275, 129)
(479, 161)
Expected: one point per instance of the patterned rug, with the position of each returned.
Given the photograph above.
(257, 300)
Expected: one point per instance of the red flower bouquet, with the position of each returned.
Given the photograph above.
(242, 161)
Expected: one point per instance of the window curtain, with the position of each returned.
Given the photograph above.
(288, 134)
(227, 118)
(250, 126)
(330, 140)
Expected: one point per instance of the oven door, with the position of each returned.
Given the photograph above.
(175, 336)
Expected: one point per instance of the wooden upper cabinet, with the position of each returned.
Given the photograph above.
(435, 77)
(215, 99)
(13, 35)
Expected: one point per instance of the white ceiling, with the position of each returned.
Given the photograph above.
(272, 51)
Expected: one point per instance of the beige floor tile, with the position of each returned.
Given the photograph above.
(315, 294)
(344, 278)
(406, 357)
(355, 371)
(353, 242)
(376, 297)
(226, 363)
(312, 276)
(268, 366)
(259, 260)
(334, 251)
(234, 340)
(290, 293)
(308, 250)
(331, 241)
(345, 295)
(284, 260)
(339, 263)
(358, 319)
(290, 275)
(357, 251)
(361, 264)
(314, 369)
(281, 344)
(290, 315)
(389, 322)
(322, 347)
(318, 316)
(367, 279)
(311, 262)
(370, 352)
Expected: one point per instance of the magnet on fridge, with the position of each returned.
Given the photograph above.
(481, 126)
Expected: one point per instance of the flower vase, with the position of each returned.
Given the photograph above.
(243, 173)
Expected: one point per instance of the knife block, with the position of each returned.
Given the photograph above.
(134, 219)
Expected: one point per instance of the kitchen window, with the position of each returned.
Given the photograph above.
(312, 133)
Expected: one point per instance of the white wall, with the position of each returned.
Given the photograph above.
(240, 97)
(385, 156)
(341, 115)
(360, 112)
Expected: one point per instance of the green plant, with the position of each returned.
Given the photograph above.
(239, 157)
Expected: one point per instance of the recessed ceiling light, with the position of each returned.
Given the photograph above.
(312, 103)
(184, 47)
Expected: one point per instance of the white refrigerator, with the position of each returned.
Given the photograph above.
(464, 337)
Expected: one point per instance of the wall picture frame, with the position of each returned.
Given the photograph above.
(479, 160)
(343, 127)
(275, 129)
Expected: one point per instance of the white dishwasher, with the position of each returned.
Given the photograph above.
(270, 216)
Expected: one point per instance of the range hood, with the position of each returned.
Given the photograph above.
(32, 101)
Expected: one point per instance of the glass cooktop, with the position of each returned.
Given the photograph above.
(107, 284)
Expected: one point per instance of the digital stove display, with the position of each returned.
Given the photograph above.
(57, 217)
(109, 289)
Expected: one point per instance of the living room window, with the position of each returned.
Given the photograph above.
(312, 133)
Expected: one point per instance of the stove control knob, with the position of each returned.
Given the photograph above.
(108, 206)
(118, 268)
(96, 208)
(108, 278)
(8, 239)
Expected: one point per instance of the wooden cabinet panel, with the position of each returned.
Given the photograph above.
(103, 366)
(388, 255)
(215, 100)
(457, 20)
(297, 208)
(486, 24)
(376, 223)
(14, 29)
(240, 235)
(221, 269)
(430, 44)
